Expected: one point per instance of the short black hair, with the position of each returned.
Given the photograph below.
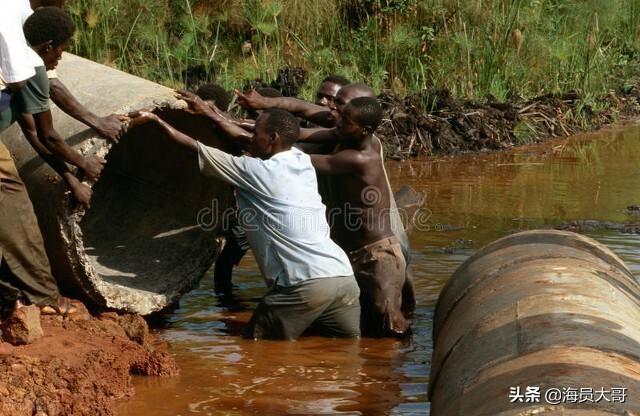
(284, 123)
(48, 24)
(365, 111)
(359, 89)
(47, 3)
(269, 92)
(337, 79)
(215, 93)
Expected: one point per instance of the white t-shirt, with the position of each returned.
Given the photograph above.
(17, 59)
(282, 214)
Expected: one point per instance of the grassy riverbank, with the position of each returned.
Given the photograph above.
(474, 48)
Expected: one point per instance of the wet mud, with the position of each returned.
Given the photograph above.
(435, 123)
(82, 366)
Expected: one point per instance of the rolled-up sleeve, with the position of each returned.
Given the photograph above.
(234, 170)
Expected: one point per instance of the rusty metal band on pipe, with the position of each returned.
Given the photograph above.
(150, 233)
(541, 309)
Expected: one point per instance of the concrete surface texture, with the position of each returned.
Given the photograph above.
(140, 246)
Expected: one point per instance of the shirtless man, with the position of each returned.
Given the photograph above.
(326, 139)
(363, 226)
(324, 135)
(318, 113)
(329, 88)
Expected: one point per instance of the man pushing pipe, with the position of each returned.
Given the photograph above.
(26, 272)
(311, 280)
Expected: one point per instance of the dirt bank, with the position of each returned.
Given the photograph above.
(82, 365)
(454, 125)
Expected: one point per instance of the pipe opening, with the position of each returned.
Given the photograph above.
(142, 235)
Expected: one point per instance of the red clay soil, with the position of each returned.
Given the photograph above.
(82, 366)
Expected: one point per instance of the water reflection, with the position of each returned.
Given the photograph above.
(472, 200)
(225, 374)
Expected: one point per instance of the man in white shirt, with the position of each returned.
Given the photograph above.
(22, 250)
(48, 31)
(311, 280)
(110, 126)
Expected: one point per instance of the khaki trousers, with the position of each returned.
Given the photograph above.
(25, 271)
(327, 306)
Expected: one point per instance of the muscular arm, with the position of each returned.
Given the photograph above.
(345, 161)
(110, 127)
(81, 192)
(314, 113)
(200, 108)
(50, 138)
(318, 135)
(229, 126)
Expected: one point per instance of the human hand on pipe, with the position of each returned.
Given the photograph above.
(82, 193)
(113, 126)
(140, 117)
(92, 167)
(196, 105)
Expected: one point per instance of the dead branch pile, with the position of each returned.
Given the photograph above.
(453, 125)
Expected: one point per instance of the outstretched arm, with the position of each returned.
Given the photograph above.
(318, 135)
(312, 112)
(345, 161)
(237, 171)
(111, 126)
(198, 107)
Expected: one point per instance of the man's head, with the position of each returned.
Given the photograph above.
(214, 94)
(49, 30)
(359, 119)
(35, 4)
(275, 131)
(329, 88)
(348, 93)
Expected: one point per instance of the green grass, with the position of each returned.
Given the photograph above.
(470, 47)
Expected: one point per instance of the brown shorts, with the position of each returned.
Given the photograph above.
(380, 270)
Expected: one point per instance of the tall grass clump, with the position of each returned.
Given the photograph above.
(474, 48)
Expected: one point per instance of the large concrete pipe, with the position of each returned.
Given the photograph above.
(139, 247)
(538, 322)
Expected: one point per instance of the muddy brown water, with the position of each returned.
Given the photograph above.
(471, 200)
